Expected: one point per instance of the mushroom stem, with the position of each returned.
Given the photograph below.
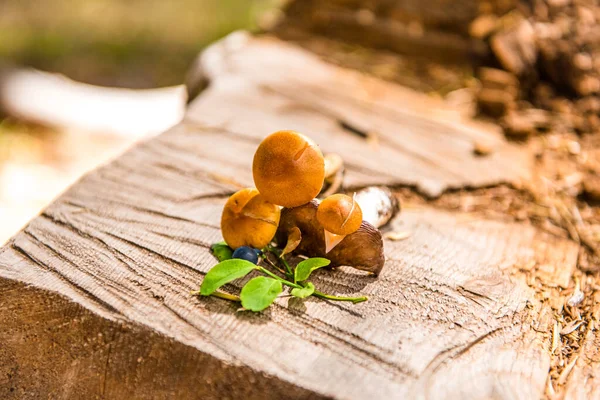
(332, 240)
(378, 205)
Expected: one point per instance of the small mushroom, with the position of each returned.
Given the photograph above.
(334, 174)
(362, 249)
(248, 219)
(340, 215)
(288, 169)
(334, 164)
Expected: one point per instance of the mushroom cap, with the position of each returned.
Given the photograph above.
(288, 169)
(362, 249)
(339, 214)
(248, 219)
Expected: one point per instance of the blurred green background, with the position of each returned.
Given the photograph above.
(123, 43)
(127, 43)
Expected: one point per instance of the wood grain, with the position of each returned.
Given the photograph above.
(387, 134)
(54, 348)
(94, 292)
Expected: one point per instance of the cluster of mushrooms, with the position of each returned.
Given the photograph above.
(289, 172)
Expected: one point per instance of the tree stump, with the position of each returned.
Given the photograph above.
(95, 292)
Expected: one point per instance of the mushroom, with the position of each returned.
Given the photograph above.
(362, 249)
(302, 233)
(288, 169)
(340, 216)
(334, 174)
(378, 204)
(248, 219)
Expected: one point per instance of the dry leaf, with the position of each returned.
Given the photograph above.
(293, 240)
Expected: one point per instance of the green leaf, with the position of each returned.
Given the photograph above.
(222, 251)
(260, 292)
(225, 272)
(304, 292)
(306, 267)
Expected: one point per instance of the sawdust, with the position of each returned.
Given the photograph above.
(557, 201)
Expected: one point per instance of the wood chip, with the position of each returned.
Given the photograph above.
(577, 296)
(396, 236)
(483, 26)
(550, 389)
(494, 102)
(591, 187)
(515, 47)
(571, 327)
(562, 379)
(493, 78)
(555, 337)
(526, 122)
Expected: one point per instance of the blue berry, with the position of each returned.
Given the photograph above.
(246, 253)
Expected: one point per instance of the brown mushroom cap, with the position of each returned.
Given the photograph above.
(288, 169)
(248, 219)
(362, 249)
(339, 214)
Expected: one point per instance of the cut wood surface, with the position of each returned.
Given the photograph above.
(94, 293)
(385, 133)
